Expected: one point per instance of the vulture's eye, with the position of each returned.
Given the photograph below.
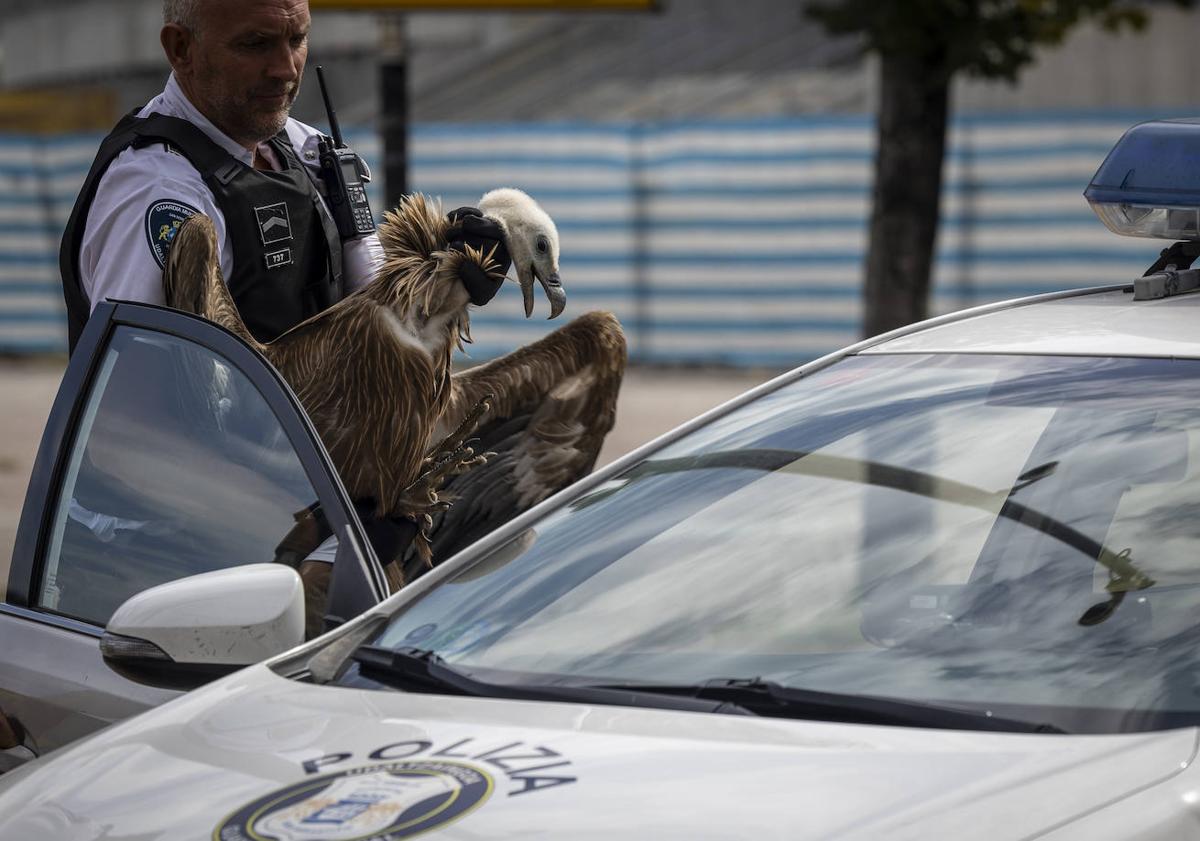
(543, 245)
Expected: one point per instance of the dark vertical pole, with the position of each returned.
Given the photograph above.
(643, 323)
(968, 194)
(393, 114)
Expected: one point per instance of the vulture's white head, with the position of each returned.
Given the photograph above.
(532, 241)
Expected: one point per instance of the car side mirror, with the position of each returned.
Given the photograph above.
(187, 632)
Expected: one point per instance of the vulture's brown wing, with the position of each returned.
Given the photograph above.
(192, 279)
(552, 403)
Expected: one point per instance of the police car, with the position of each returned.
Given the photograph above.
(940, 584)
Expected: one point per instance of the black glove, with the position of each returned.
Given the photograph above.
(389, 536)
(468, 226)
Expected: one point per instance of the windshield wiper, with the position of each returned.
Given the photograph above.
(767, 698)
(418, 670)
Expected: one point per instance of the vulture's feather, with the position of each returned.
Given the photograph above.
(374, 374)
(552, 403)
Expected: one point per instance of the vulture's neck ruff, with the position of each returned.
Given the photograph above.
(424, 295)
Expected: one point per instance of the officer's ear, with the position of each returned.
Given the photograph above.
(178, 43)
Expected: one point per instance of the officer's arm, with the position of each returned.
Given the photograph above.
(360, 259)
(139, 204)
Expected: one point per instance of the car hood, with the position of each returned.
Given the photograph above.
(257, 756)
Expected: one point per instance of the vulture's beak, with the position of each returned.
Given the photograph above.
(555, 293)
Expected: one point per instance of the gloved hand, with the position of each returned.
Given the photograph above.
(389, 536)
(468, 226)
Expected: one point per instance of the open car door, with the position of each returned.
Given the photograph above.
(172, 449)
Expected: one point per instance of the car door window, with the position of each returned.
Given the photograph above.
(179, 466)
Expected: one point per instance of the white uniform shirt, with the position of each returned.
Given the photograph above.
(117, 258)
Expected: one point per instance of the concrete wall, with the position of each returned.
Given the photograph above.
(1158, 68)
(696, 58)
(699, 58)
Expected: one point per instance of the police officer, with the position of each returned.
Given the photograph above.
(218, 140)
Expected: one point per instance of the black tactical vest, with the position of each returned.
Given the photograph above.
(287, 256)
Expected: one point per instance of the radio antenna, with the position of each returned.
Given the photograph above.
(334, 128)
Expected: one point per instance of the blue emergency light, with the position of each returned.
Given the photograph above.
(1149, 185)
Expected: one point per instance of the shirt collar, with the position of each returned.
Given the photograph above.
(175, 101)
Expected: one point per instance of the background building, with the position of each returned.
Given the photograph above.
(709, 164)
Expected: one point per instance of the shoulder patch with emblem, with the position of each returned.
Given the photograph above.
(163, 219)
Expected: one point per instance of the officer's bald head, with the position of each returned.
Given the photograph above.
(238, 61)
(182, 13)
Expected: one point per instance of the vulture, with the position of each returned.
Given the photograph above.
(458, 453)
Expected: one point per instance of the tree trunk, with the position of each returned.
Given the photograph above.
(913, 108)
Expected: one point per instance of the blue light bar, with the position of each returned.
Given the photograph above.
(1149, 185)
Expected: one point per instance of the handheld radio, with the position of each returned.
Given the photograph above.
(343, 178)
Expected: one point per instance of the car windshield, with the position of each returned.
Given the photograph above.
(1015, 535)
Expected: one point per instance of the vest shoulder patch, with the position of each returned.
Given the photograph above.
(163, 219)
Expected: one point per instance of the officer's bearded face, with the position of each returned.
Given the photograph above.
(247, 61)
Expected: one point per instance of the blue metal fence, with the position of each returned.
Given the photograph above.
(730, 242)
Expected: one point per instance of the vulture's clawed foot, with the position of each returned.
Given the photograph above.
(425, 498)
(457, 452)
(470, 423)
(454, 455)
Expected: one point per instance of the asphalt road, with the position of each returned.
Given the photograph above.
(652, 402)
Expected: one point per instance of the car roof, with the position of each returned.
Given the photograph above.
(1105, 322)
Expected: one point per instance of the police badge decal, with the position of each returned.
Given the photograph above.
(163, 219)
(384, 802)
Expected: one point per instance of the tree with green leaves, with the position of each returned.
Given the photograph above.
(922, 45)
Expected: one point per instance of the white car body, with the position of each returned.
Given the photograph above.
(259, 755)
(191, 769)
